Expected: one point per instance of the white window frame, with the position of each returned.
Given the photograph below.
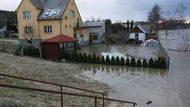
(27, 14)
(28, 29)
(48, 29)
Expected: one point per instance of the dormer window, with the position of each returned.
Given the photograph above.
(47, 12)
(27, 14)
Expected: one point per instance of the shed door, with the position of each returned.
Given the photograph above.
(52, 51)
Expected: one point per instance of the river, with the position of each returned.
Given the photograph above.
(165, 88)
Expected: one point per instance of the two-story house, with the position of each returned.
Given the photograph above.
(44, 19)
(94, 31)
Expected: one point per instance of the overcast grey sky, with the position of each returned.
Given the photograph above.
(114, 9)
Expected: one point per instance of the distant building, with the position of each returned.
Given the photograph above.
(138, 34)
(94, 31)
(2, 30)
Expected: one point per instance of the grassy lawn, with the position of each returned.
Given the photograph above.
(9, 45)
(68, 74)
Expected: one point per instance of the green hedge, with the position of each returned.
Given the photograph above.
(31, 51)
(84, 58)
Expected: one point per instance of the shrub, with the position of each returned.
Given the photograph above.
(102, 60)
(25, 51)
(98, 61)
(94, 58)
(127, 62)
(145, 63)
(76, 57)
(37, 52)
(107, 60)
(133, 62)
(139, 63)
(162, 63)
(80, 57)
(113, 61)
(151, 63)
(117, 61)
(85, 58)
(89, 59)
(72, 56)
(69, 56)
(156, 63)
(122, 61)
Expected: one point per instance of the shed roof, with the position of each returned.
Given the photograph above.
(60, 39)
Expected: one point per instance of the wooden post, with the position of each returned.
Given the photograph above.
(61, 97)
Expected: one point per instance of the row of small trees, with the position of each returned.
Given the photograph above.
(31, 51)
(84, 58)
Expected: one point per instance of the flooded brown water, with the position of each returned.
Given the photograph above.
(165, 88)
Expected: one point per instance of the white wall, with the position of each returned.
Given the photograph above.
(141, 36)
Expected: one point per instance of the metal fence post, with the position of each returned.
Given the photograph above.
(103, 99)
(95, 102)
(61, 96)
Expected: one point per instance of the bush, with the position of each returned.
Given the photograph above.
(76, 57)
(25, 51)
(85, 58)
(89, 59)
(94, 58)
(156, 64)
(145, 63)
(98, 61)
(102, 60)
(139, 63)
(72, 56)
(151, 63)
(127, 62)
(107, 60)
(117, 61)
(133, 62)
(69, 56)
(80, 57)
(162, 63)
(113, 61)
(122, 61)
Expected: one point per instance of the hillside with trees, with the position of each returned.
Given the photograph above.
(8, 19)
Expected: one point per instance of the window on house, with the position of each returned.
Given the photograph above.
(137, 36)
(47, 29)
(95, 37)
(65, 26)
(65, 17)
(28, 29)
(27, 15)
(70, 26)
(72, 14)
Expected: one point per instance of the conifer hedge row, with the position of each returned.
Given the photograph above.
(31, 51)
(84, 58)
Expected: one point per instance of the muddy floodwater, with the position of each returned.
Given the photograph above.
(165, 88)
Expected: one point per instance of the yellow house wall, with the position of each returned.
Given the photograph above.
(27, 6)
(70, 21)
(55, 28)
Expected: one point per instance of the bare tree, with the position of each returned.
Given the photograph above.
(170, 19)
(154, 16)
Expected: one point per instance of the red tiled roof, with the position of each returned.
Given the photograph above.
(60, 39)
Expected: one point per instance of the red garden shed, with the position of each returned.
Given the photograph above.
(52, 46)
